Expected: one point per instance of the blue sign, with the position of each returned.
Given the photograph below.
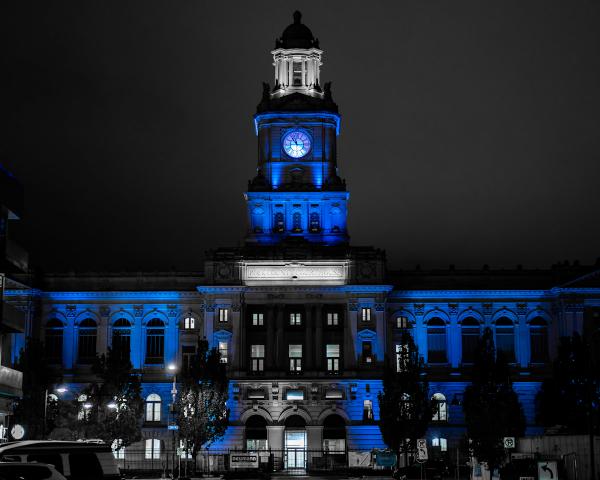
(385, 459)
(173, 427)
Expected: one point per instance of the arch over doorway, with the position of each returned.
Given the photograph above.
(256, 433)
(295, 442)
(334, 435)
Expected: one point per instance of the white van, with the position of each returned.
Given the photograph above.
(75, 460)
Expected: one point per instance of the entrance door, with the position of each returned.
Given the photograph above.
(295, 449)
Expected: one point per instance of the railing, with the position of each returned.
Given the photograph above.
(290, 461)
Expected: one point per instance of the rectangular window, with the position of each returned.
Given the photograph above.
(223, 315)
(258, 319)
(187, 357)
(295, 356)
(367, 410)
(401, 357)
(436, 345)
(295, 319)
(257, 357)
(152, 449)
(223, 350)
(333, 319)
(367, 352)
(333, 357)
(297, 74)
(365, 314)
(402, 323)
(294, 395)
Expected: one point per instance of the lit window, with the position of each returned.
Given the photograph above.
(152, 449)
(367, 352)
(435, 442)
(117, 449)
(402, 323)
(333, 357)
(223, 315)
(295, 356)
(365, 314)
(333, 319)
(294, 395)
(223, 350)
(440, 443)
(186, 453)
(85, 407)
(367, 410)
(295, 318)
(153, 406)
(189, 323)
(257, 357)
(333, 394)
(297, 74)
(440, 413)
(258, 319)
(402, 357)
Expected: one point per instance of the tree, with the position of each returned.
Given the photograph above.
(404, 405)
(491, 406)
(113, 407)
(203, 413)
(566, 399)
(37, 381)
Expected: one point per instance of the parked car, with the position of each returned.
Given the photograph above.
(28, 471)
(74, 460)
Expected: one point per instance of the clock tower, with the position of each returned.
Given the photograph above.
(297, 192)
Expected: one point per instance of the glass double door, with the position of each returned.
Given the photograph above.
(295, 449)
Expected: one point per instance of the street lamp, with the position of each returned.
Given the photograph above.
(60, 390)
(172, 368)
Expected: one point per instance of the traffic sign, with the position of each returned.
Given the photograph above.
(509, 442)
(547, 471)
(422, 450)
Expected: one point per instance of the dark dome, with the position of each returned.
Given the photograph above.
(297, 35)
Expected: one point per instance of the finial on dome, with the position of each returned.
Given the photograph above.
(297, 17)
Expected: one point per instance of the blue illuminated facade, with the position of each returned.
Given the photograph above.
(303, 319)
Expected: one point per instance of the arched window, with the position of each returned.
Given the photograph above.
(153, 406)
(436, 341)
(86, 345)
(155, 341)
(152, 449)
(315, 223)
(121, 337)
(505, 338)
(256, 433)
(470, 331)
(189, 323)
(538, 339)
(296, 222)
(53, 341)
(278, 223)
(440, 412)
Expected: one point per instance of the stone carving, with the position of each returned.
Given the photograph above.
(453, 308)
(71, 311)
(138, 310)
(419, 308)
(487, 308)
(171, 310)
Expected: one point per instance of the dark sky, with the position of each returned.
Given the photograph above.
(470, 130)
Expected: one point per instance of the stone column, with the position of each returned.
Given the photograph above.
(171, 342)
(453, 338)
(314, 438)
(136, 343)
(309, 354)
(318, 351)
(275, 436)
(522, 341)
(270, 347)
(69, 345)
(102, 332)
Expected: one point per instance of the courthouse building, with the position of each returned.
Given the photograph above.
(303, 318)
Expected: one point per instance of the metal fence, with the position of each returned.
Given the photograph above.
(290, 460)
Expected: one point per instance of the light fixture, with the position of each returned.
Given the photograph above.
(112, 405)
(172, 367)
(61, 390)
(87, 406)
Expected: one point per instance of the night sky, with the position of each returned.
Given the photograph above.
(470, 130)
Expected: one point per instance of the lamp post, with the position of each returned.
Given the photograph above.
(172, 425)
(46, 394)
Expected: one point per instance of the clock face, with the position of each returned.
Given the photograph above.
(296, 144)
